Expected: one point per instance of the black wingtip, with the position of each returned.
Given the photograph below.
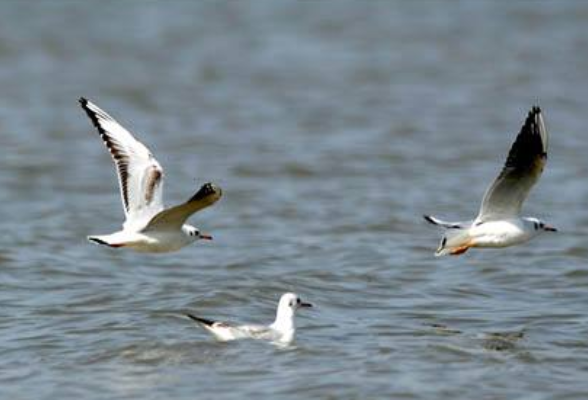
(532, 116)
(532, 122)
(204, 321)
(84, 103)
(529, 144)
(206, 190)
(429, 219)
(91, 114)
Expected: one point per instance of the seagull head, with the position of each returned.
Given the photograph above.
(539, 226)
(289, 303)
(195, 234)
(284, 323)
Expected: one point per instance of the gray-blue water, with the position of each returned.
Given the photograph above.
(331, 127)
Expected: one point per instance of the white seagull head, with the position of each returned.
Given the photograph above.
(289, 303)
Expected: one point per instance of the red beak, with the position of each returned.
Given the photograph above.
(205, 236)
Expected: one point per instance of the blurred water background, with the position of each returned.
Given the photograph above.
(331, 127)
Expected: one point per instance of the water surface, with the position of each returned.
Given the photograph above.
(331, 128)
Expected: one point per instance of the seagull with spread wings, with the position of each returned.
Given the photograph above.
(499, 222)
(149, 226)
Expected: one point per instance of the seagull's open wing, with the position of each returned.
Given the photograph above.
(446, 224)
(524, 165)
(139, 174)
(174, 217)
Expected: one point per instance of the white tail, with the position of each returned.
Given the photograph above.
(454, 242)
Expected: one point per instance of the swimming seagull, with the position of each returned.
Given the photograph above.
(281, 331)
(149, 226)
(499, 223)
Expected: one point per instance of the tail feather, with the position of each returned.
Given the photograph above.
(203, 321)
(454, 242)
(101, 241)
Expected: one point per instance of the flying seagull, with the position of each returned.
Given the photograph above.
(149, 226)
(281, 331)
(499, 223)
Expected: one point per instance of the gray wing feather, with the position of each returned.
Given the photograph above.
(140, 175)
(174, 217)
(526, 160)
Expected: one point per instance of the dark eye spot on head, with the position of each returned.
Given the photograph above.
(298, 301)
(536, 225)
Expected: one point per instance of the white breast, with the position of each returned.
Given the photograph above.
(501, 233)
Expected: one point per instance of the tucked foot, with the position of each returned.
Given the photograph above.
(459, 250)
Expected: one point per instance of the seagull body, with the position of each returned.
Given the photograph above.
(149, 226)
(499, 223)
(281, 331)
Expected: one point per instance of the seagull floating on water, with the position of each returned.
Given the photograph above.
(149, 226)
(499, 223)
(281, 331)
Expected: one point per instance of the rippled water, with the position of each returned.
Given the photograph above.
(331, 128)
